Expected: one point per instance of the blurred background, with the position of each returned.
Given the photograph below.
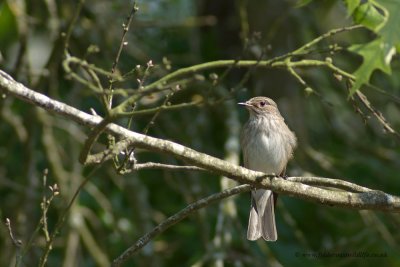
(338, 137)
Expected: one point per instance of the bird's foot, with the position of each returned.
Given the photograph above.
(283, 176)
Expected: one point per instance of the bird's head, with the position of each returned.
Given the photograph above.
(260, 105)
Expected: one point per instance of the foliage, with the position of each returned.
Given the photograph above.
(382, 18)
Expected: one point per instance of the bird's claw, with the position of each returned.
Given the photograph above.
(283, 176)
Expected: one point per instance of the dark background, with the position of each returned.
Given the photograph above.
(113, 210)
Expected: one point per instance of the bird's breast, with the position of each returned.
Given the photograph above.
(267, 152)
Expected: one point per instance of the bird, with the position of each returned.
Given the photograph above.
(267, 144)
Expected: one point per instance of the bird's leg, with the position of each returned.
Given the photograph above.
(283, 174)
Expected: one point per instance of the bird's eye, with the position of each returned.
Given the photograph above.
(262, 103)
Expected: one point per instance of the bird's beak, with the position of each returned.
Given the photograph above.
(244, 104)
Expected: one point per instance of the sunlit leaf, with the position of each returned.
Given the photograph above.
(375, 56)
(382, 17)
(369, 16)
(351, 6)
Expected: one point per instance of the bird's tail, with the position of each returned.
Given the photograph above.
(262, 216)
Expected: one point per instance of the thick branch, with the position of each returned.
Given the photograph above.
(364, 200)
(154, 165)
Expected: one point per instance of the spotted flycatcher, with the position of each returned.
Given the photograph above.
(267, 145)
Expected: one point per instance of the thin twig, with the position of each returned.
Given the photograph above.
(307, 87)
(123, 43)
(305, 49)
(72, 24)
(61, 220)
(272, 63)
(17, 243)
(42, 224)
(156, 114)
(130, 155)
(324, 36)
(378, 115)
(174, 219)
(384, 92)
(163, 107)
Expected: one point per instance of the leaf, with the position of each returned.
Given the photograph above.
(369, 16)
(382, 17)
(351, 6)
(375, 56)
(390, 30)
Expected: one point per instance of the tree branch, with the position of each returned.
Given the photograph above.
(177, 217)
(378, 115)
(155, 165)
(329, 182)
(375, 200)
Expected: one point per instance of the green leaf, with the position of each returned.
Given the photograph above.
(351, 6)
(382, 17)
(390, 30)
(376, 55)
(369, 16)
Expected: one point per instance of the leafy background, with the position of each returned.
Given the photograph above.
(338, 137)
